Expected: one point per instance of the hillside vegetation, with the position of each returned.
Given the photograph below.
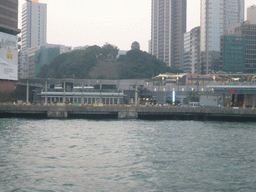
(101, 63)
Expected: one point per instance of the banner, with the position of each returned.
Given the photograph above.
(8, 56)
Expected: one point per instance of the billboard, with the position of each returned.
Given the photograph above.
(8, 56)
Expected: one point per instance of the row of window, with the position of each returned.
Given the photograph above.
(10, 4)
(8, 22)
(9, 13)
(88, 100)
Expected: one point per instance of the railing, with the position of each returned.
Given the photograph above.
(85, 90)
(233, 83)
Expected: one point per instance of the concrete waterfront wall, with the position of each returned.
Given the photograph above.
(132, 112)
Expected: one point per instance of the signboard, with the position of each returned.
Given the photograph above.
(232, 91)
(8, 56)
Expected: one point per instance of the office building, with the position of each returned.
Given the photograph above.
(34, 22)
(248, 32)
(45, 55)
(8, 44)
(232, 53)
(9, 17)
(251, 14)
(168, 24)
(217, 17)
(191, 51)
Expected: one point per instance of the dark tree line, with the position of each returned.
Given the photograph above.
(135, 64)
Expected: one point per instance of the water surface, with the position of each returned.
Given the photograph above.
(126, 155)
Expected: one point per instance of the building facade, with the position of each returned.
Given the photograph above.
(232, 53)
(217, 17)
(8, 44)
(39, 56)
(251, 14)
(34, 22)
(191, 51)
(168, 24)
(248, 32)
(9, 17)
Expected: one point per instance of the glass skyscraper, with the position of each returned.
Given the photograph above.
(168, 24)
(217, 17)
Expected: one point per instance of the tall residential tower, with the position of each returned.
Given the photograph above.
(33, 31)
(217, 17)
(168, 24)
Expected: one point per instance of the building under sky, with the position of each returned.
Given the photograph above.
(8, 44)
(217, 17)
(251, 14)
(34, 23)
(168, 24)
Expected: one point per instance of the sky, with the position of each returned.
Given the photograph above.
(96, 22)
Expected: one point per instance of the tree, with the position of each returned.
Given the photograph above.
(137, 64)
(75, 64)
(95, 50)
(109, 50)
(192, 96)
(174, 70)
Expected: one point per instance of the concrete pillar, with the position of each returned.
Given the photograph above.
(45, 96)
(118, 102)
(82, 99)
(245, 100)
(100, 101)
(64, 92)
(224, 100)
(253, 102)
(235, 100)
(136, 94)
(27, 95)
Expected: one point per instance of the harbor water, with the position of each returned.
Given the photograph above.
(126, 155)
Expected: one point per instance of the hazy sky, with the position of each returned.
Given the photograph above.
(95, 22)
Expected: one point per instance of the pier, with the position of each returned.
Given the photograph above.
(129, 112)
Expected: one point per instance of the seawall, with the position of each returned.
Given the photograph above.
(129, 112)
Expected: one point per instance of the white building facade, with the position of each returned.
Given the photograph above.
(251, 14)
(191, 51)
(168, 24)
(217, 17)
(34, 23)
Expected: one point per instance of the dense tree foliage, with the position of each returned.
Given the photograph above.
(75, 64)
(109, 50)
(137, 64)
(78, 64)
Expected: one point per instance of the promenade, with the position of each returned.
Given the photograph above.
(129, 112)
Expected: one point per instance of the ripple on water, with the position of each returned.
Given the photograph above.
(130, 155)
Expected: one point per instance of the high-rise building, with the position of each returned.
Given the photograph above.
(232, 53)
(217, 17)
(248, 32)
(251, 14)
(191, 51)
(9, 17)
(168, 24)
(34, 22)
(8, 44)
(44, 56)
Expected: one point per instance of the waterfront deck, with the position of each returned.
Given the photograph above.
(129, 112)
